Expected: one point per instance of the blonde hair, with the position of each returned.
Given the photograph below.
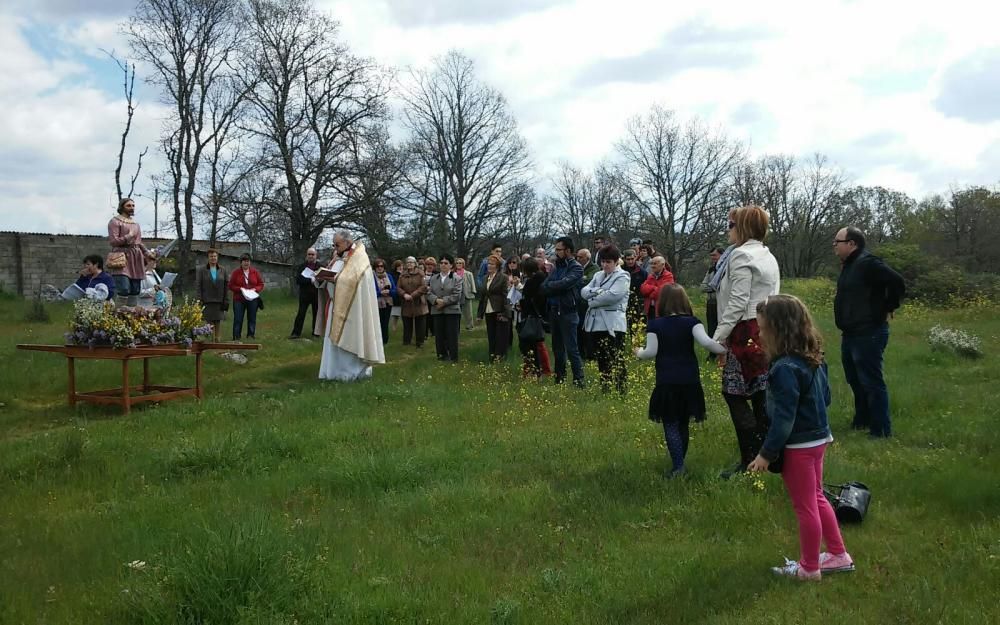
(787, 329)
(493, 258)
(751, 222)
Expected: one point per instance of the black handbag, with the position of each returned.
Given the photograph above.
(531, 330)
(850, 501)
(260, 303)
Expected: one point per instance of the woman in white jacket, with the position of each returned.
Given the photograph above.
(746, 274)
(607, 300)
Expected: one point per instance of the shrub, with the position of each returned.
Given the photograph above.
(37, 313)
(949, 339)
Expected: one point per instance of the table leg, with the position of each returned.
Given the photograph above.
(197, 375)
(126, 393)
(71, 388)
(145, 375)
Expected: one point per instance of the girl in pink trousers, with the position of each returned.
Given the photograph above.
(797, 397)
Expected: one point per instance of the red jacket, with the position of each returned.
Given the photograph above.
(237, 282)
(650, 289)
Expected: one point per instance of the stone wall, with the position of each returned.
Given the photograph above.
(30, 259)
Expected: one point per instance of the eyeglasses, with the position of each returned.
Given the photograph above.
(732, 224)
(836, 241)
(560, 249)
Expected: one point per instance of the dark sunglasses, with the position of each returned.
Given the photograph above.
(732, 224)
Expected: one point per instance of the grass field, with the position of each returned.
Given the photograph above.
(460, 494)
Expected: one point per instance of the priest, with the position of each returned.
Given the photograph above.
(349, 323)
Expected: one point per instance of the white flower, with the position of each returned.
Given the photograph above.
(136, 565)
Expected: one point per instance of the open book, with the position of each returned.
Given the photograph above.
(324, 273)
(73, 292)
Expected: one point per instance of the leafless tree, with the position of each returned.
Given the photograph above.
(468, 140)
(229, 160)
(805, 203)
(308, 97)
(256, 212)
(571, 201)
(374, 185)
(190, 46)
(679, 178)
(521, 222)
(128, 87)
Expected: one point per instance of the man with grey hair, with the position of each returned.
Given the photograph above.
(352, 333)
(308, 294)
(543, 261)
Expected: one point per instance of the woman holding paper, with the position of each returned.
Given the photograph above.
(246, 283)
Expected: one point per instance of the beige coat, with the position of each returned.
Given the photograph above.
(752, 276)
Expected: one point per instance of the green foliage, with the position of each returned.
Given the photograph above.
(935, 281)
(37, 313)
(248, 571)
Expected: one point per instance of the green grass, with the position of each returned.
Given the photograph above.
(459, 494)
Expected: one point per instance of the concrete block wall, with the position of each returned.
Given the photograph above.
(55, 259)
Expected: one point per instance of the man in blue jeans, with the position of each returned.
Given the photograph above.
(562, 288)
(868, 291)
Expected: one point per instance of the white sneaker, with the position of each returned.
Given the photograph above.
(793, 569)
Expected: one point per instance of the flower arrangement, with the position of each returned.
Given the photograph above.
(948, 339)
(103, 324)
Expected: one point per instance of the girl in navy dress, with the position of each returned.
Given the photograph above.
(678, 396)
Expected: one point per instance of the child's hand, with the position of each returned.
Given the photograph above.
(759, 464)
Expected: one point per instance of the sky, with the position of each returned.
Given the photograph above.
(899, 94)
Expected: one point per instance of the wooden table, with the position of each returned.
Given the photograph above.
(123, 396)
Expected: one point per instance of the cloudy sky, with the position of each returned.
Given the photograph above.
(906, 95)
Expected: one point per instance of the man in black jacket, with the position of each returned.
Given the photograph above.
(307, 293)
(868, 291)
(562, 289)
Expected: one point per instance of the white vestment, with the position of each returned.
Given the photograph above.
(360, 344)
(338, 364)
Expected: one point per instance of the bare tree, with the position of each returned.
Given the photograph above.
(466, 137)
(571, 201)
(374, 185)
(521, 220)
(679, 178)
(190, 45)
(256, 211)
(309, 96)
(128, 88)
(228, 163)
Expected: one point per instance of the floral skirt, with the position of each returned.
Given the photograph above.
(746, 367)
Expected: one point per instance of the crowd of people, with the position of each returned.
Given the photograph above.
(774, 376)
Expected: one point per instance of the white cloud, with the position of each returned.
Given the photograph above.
(874, 84)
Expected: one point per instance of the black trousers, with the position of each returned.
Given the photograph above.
(383, 320)
(750, 420)
(446, 336)
(497, 336)
(300, 317)
(711, 315)
(414, 329)
(610, 358)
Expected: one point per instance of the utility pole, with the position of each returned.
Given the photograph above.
(156, 212)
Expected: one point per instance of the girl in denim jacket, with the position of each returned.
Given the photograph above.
(797, 397)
